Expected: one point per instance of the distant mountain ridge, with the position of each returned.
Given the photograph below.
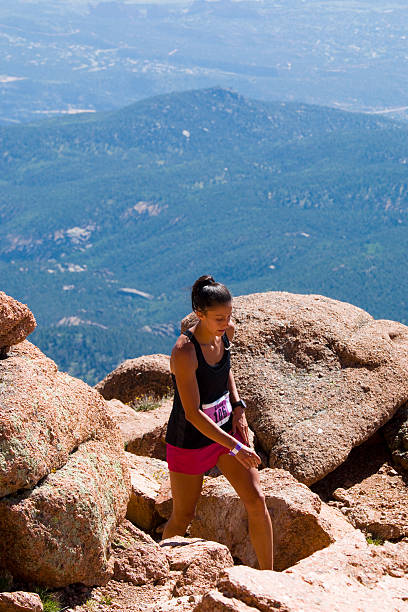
(158, 125)
(64, 57)
(264, 195)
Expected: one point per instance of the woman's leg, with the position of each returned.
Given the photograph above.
(185, 489)
(247, 485)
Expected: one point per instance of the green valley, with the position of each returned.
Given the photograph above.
(108, 218)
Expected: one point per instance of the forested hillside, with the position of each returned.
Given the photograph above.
(106, 219)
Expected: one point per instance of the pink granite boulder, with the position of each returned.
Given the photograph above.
(16, 322)
(320, 377)
(348, 575)
(44, 416)
(60, 532)
(143, 432)
(147, 475)
(199, 561)
(147, 375)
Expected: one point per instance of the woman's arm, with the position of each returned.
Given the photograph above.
(184, 366)
(234, 396)
(239, 421)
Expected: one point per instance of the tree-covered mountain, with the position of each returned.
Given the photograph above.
(106, 220)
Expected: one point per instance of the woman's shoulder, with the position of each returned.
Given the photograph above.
(183, 353)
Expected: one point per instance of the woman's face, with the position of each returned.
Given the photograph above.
(216, 318)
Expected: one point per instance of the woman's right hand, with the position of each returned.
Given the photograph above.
(248, 457)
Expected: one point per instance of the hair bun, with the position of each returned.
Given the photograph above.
(204, 280)
(215, 294)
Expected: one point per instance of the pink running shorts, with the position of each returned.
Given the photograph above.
(195, 460)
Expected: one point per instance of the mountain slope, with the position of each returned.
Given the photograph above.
(265, 196)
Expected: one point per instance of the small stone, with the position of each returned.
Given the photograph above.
(20, 601)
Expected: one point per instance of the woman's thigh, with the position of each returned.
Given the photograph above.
(245, 481)
(186, 489)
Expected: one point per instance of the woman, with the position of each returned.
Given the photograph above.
(207, 425)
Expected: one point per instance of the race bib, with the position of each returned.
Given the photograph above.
(220, 410)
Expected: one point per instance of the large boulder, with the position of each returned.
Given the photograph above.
(147, 475)
(64, 480)
(148, 375)
(143, 432)
(44, 416)
(60, 532)
(348, 575)
(16, 322)
(320, 377)
(299, 527)
(164, 500)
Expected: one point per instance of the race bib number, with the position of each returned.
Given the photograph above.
(220, 410)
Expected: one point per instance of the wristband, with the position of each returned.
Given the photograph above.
(240, 402)
(236, 449)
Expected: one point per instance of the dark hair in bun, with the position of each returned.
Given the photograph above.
(206, 293)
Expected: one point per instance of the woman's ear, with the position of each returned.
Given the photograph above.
(199, 314)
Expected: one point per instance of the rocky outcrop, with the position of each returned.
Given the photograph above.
(146, 475)
(148, 375)
(126, 418)
(64, 480)
(20, 601)
(349, 574)
(65, 525)
(44, 416)
(320, 377)
(299, 530)
(369, 491)
(137, 558)
(16, 322)
(199, 562)
(143, 432)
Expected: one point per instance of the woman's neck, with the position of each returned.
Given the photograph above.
(203, 336)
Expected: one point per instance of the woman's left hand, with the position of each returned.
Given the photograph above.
(239, 423)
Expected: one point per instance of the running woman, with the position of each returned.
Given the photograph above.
(207, 425)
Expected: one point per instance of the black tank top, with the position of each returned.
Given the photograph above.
(212, 385)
